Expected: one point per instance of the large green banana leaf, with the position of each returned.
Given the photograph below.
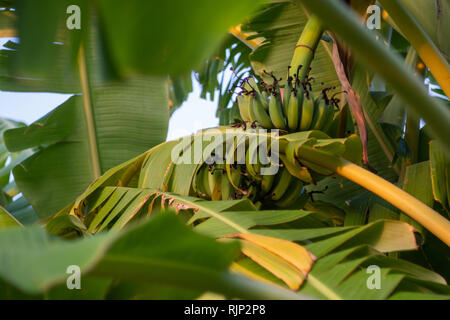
(440, 174)
(19, 208)
(342, 254)
(158, 251)
(431, 15)
(60, 78)
(15, 158)
(184, 33)
(7, 220)
(128, 117)
(114, 201)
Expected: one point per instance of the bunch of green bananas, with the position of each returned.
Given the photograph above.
(213, 183)
(297, 110)
(283, 190)
(248, 181)
(293, 111)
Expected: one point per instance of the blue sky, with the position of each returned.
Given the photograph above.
(194, 114)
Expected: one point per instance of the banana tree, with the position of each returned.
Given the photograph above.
(303, 188)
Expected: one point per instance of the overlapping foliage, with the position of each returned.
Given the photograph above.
(304, 233)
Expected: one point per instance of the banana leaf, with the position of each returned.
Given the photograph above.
(178, 257)
(83, 138)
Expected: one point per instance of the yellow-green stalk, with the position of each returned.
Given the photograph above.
(306, 47)
(427, 217)
(420, 40)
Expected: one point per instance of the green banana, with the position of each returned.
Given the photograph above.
(244, 106)
(259, 114)
(234, 174)
(329, 119)
(233, 114)
(277, 93)
(293, 193)
(294, 110)
(251, 161)
(320, 115)
(195, 186)
(217, 189)
(251, 85)
(263, 101)
(235, 178)
(265, 96)
(300, 98)
(287, 95)
(215, 182)
(267, 183)
(276, 113)
(307, 113)
(205, 186)
(282, 181)
(293, 114)
(227, 189)
(252, 114)
(198, 185)
(211, 182)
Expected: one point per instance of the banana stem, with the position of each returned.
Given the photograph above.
(306, 47)
(89, 115)
(420, 40)
(417, 210)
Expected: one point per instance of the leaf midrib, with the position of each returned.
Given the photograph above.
(88, 113)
